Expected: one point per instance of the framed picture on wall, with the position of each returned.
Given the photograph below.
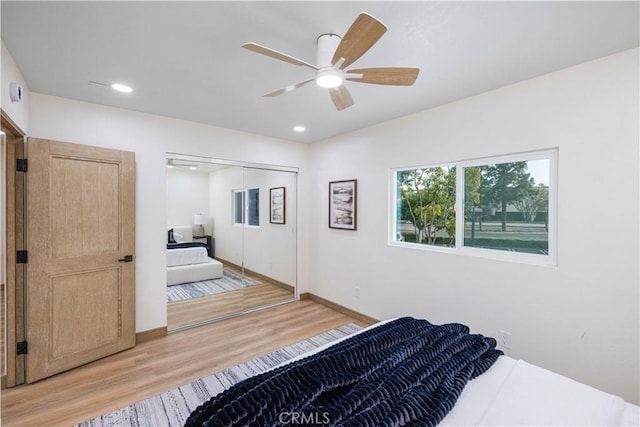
(342, 204)
(277, 205)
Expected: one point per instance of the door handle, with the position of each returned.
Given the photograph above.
(127, 258)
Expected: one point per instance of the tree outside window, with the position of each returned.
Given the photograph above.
(504, 205)
(427, 205)
(509, 212)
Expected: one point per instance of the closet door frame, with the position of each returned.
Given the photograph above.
(267, 167)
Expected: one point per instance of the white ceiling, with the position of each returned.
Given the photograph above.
(184, 60)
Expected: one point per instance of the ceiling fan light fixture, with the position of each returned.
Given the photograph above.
(329, 78)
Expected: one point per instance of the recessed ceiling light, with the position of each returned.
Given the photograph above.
(121, 88)
(299, 128)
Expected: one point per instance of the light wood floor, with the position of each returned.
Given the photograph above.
(196, 310)
(164, 363)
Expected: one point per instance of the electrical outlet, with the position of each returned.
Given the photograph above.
(504, 339)
(356, 292)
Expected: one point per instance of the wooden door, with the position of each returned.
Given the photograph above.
(80, 234)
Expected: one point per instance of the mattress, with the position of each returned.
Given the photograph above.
(516, 393)
(211, 269)
(186, 256)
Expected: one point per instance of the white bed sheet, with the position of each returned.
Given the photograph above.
(630, 415)
(516, 393)
(186, 256)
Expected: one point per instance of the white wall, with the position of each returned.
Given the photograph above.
(18, 111)
(229, 237)
(580, 318)
(187, 195)
(151, 137)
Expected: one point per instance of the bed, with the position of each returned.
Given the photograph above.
(187, 261)
(409, 372)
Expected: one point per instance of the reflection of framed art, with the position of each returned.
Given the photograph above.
(276, 205)
(342, 204)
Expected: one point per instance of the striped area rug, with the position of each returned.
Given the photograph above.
(174, 406)
(230, 281)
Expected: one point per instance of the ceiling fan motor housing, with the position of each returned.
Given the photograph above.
(328, 76)
(327, 45)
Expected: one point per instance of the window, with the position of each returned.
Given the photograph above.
(501, 207)
(426, 205)
(253, 207)
(506, 208)
(246, 207)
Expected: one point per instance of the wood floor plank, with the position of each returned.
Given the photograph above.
(158, 365)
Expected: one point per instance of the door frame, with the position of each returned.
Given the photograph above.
(14, 285)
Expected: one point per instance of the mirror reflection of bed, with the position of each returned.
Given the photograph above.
(224, 269)
(199, 286)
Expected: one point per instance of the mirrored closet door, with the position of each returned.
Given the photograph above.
(269, 238)
(231, 238)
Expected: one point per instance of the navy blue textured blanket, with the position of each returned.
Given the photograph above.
(404, 372)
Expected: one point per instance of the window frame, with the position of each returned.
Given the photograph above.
(234, 215)
(245, 207)
(550, 259)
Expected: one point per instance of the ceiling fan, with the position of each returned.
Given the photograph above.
(335, 54)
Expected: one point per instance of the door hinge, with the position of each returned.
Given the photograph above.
(22, 165)
(22, 348)
(22, 257)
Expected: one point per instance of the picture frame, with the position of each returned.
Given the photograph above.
(277, 205)
(343, 204)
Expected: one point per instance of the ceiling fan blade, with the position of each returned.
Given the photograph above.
(286, 89)
(397, 76)
(341, 97)
(363, 33)
(267, 51)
